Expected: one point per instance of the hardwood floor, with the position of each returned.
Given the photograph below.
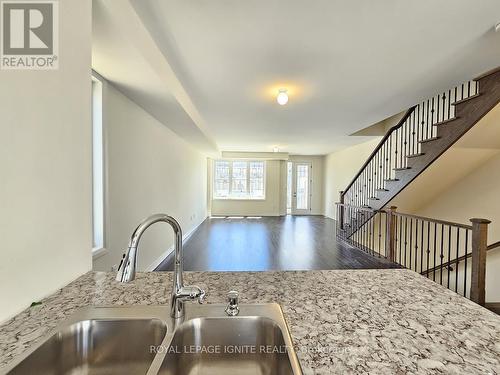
(271, 243)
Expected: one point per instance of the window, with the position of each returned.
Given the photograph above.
(239, 179)
(97, 168)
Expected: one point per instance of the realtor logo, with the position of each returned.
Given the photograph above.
(29, 35)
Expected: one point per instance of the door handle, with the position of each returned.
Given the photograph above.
(295, 195)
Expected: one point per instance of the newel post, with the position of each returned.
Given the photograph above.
(341, 210)
(390, 235)
(479, 248)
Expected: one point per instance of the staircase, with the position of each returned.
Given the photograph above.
(425, 132)
(452, 254)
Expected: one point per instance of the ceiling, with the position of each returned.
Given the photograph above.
(217, 65)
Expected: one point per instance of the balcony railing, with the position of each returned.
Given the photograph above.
(451, 254)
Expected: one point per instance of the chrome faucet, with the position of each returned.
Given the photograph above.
(180, 293)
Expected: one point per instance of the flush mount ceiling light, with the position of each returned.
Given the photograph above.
(282, 97)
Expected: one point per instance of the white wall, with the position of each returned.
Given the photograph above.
(339, 170)
(150, 170)
(476, 195)
(45, 169)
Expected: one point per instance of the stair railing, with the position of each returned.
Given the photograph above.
(403, 141)
(451, 254)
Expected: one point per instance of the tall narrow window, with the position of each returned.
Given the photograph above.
(239, 186)
(221, 179)
(239, 179)
(97, 166)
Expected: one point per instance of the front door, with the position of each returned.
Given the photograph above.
(301, 188)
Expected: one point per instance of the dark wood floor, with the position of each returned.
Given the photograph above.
(271, 243)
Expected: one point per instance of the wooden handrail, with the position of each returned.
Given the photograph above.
(459, 259)
(437, 221)
(370, 239)
(446, 264)
(380, 145)
(493, 246)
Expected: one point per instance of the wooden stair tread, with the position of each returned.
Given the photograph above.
(382, 189)
(488, 73)
(415, 155)
(391, 179)
(466, 99)
(402, 168)
(445, 121)
(429, 140)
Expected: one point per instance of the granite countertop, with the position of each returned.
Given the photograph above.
(345, 321)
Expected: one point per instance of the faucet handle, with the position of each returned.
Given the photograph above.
(201, 296)
(232, 308)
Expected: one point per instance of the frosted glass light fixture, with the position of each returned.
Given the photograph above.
(282, 97)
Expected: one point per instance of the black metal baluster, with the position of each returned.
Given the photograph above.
(428, 244)
(367, 226)
(370, 181)
(433, 111)
(456, 264)
(422, 124)
(372, 235)
(400, 147)
(449, 254)
(465, 261)
(449, 103)
(406, 237)
(385, 162)
(389, 164)
(411, 241)
(379, 169)
(421, 246)
(415, 264)
(403, 144)
(379, 232)
(400, 239)
(427, 122)
(411, 148)
(456, 88)
(435, 245)
(441, 255)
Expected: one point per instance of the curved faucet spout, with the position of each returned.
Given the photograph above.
(127, 269)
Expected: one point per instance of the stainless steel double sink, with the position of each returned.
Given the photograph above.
(145, 340)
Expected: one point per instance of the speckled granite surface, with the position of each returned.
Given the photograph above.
(346, 321)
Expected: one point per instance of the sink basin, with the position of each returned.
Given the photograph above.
(145, 340)
(97, 347)
(209, 342)
(212, 346)
(98, 341)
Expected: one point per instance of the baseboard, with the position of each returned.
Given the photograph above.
(170, 250)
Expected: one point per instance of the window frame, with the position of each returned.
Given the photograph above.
(97, 103)
(247, 197)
